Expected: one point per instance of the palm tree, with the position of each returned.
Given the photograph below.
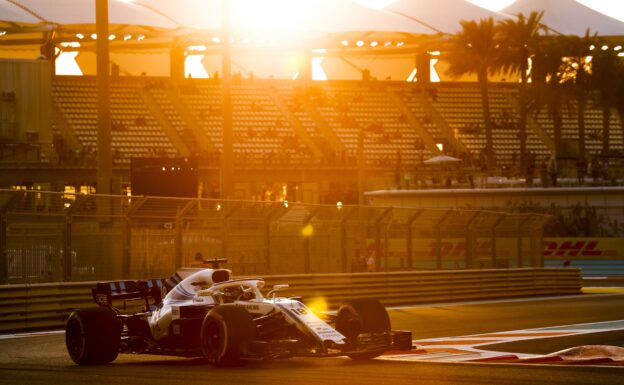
(522, 37)
(576, 72)
(548, 89)
(475, 51)
(607, 79)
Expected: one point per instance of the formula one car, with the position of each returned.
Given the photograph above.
(227, 321)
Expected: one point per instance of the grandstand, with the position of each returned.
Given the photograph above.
(303, 134)
(276, 116)
(277, 124)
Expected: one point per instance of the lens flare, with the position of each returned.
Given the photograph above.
(308, 230)
(318, 304)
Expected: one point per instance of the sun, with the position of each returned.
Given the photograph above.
(272, 15)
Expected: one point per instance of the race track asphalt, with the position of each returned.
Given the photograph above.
(43, 359)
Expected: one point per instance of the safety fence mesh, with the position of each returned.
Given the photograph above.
(50, 237)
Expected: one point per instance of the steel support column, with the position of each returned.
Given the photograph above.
(409, 242)
(4, 276)
(494, 226)
(360, 167)
(520, 249)
(469, 248)
(179, 223)
(439, 239)
(226, 216)
(378, 248)
(104, 153)
(266, 223)
(227, 156)
(345, 267)
(176, 61)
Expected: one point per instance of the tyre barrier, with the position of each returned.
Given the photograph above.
(47, 306)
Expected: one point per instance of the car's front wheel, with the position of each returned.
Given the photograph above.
(92, 336)
(364, 316)
(226, 332)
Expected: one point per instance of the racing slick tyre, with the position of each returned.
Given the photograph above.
(92, 336)
(225, 334)
(360, 316)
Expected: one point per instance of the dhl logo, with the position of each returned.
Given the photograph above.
(572, 248)
(575, 249)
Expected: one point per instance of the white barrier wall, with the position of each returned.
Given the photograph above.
(606, 199)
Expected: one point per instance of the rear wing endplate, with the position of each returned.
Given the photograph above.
(104, 293)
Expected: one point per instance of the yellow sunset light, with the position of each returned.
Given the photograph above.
(318, 304)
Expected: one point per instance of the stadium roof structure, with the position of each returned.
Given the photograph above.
(445, 16)
(341, 28)
(307, 19)
(569, 17)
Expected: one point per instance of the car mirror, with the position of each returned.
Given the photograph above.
(277, 288)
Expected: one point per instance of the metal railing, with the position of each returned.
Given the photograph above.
(46, 306)
(52, 237)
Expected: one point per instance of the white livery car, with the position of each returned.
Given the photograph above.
(227, 321)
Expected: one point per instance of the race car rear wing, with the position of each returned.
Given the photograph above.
(104, 293)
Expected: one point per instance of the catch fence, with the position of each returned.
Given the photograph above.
(54, 237)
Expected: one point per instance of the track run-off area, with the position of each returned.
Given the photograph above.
(448, 338)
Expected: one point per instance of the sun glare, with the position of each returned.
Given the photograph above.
(271, 15)
(194, 68)
(318, 304)
(318, 72)
(66, 63)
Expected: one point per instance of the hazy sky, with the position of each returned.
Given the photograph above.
(613, 8)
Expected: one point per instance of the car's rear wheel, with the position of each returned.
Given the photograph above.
(363, 316)
(92, 336)
(226, 332)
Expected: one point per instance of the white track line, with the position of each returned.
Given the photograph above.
(494, 301)
(33, 334)
(468, 347)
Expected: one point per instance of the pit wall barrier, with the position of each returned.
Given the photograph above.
(46, 306)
